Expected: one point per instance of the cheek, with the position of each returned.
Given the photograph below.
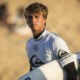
(42, 21)
(28, 22)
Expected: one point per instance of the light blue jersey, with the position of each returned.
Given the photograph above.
(46, 48)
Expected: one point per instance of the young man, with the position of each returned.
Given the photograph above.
(45, 46)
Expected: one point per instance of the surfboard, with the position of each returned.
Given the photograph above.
(51, 70)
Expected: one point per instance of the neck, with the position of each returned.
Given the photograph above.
(39, 33)
(36, 32)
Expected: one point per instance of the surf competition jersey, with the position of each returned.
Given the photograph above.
(47, 47)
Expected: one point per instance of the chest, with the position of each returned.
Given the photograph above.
(42, 50)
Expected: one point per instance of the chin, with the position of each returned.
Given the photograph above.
(35, 28)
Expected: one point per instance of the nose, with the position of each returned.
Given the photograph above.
(34, 19)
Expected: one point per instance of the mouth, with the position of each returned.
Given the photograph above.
(33, 25)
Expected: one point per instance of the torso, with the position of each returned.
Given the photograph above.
(40, 51)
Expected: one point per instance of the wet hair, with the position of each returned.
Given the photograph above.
(36, 8)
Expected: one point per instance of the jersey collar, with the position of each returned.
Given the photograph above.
(41, 35)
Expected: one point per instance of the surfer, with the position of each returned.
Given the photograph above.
(46, 46)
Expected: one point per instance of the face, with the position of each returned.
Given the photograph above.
(36, 22)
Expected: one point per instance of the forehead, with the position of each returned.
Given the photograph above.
(35, 14)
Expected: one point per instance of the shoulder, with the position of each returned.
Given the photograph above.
(59, 40)
(51, 35)
(60, 44)
(29, 42)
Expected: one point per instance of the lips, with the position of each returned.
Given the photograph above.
(33, 25)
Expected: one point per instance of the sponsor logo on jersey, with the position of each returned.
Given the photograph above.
(35, 61)
(63, 54)
(28, 78)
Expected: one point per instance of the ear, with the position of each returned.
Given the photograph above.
(44, 21)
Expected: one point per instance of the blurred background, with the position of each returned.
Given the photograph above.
(63, 19)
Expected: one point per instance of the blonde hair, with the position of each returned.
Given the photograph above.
(36, 8)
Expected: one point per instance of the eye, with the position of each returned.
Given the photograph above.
(36, 16)
(29, 17)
